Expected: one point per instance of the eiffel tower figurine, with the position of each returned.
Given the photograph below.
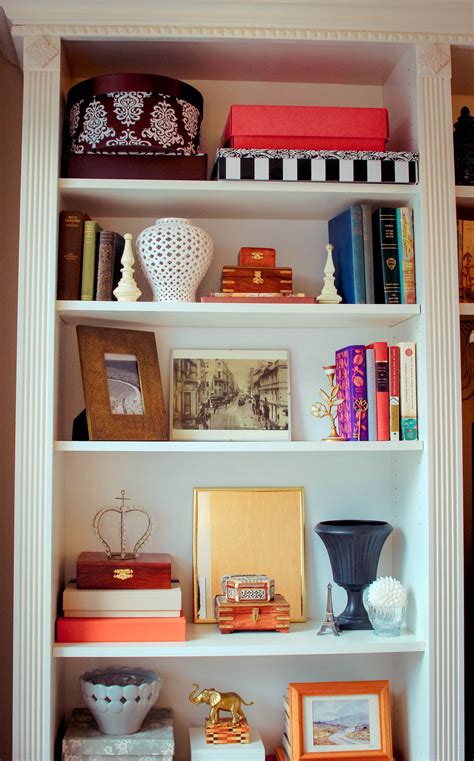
(330, 619)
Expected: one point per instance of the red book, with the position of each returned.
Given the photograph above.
(280, 299)
(394, 383)
(381, 389)
(121, 629)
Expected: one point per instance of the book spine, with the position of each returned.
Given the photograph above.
(394, 392)
(352, 381)
(368, 253)
(371, 397)
(386, 262)
(358, 255)
(105, 265)
(70, 246)
(125, 599)
(381, 390)
(91, 229)
(406, 255)
(408, 397)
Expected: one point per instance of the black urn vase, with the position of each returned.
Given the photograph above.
(354, 549)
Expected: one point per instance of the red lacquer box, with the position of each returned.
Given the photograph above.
(306, 128)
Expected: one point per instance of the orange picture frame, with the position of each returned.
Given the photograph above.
(314, 711)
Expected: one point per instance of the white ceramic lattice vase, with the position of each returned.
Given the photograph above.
(174, 255)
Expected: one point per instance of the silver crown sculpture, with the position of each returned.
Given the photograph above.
(123, 511)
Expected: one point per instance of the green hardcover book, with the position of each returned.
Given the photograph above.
(386, 256)
(91, 239)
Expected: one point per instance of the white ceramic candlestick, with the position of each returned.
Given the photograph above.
(127, 289)
(329, 294)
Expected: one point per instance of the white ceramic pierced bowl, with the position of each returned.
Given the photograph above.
(119, 698)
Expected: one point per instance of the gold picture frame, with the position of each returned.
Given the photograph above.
(122, 385)
(248, 531)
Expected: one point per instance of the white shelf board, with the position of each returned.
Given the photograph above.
(465, 196)
(225, 199)
(199, 447)
(466, 310)
(206, 641)
(212, 315)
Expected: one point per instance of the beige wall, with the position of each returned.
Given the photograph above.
(10, 144)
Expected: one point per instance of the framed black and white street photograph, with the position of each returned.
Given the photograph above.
(229, 395)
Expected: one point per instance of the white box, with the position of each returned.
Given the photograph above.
(202, 751)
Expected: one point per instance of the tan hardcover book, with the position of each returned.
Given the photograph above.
(122, 599)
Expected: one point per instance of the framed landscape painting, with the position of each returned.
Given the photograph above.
(340, 720)
(229, 395)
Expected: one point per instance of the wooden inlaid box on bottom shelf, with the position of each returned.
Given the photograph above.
(223, 732)
(247, 616)
(201, 751)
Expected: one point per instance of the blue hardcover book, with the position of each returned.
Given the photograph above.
(346, 235)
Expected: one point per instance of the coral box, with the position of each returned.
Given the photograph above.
(116, 629)
(306, 128)
(83, 741)
(202, 751)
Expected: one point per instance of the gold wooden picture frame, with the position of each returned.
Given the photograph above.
(248, 531)
(340, 720)
(122, 385)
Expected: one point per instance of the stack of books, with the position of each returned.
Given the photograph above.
(128, 602)
(89, 259)
(374, 255)
(378, 385)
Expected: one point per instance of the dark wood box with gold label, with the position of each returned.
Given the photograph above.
(246, 616)
(257, 257)
(94, 570)
(257, 280)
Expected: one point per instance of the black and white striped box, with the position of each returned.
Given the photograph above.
(316, 166)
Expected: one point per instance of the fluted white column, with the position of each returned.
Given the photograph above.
(444, 449)
(34, 617)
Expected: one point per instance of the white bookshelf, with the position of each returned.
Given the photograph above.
(60, 483)
(208, 642)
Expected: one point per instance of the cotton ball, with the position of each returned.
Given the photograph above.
(386, 592)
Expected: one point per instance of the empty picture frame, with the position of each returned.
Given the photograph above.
(122, 385)
(248, 531)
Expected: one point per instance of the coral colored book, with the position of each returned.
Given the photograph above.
(352, 381)
(381, 389)
(121, 629)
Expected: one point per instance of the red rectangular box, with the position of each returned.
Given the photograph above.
(151, 570)
(251, 256)
(121, 629)
(306, 127)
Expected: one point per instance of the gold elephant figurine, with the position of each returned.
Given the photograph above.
(220, 701)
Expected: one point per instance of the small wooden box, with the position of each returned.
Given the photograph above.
(257, 257)
(250, 589)
(253, 280)
(246, 616)
(94, 570)
(223, 732)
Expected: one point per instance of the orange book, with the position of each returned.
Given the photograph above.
(121, 629)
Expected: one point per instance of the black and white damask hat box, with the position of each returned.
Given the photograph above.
(316, 166)
(133, 126)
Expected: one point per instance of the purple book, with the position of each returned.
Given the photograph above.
(352, 380)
